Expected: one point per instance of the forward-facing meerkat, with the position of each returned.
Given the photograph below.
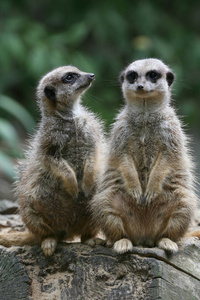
(147, 193)
(62, 166)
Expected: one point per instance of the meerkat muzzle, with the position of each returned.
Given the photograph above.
(87, 81)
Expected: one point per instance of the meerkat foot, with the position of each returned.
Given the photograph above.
(122, 246)
(48, 246)
(168, 245)
(94, 241)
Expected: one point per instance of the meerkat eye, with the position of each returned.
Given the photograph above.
(69, 78)
(153, 75)
(131, 76)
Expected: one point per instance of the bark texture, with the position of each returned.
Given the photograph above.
(77, 271)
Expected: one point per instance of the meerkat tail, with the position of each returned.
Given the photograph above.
(194, 233)
(18, 239)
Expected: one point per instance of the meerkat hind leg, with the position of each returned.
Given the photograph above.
(48, 246)
(122, 246)
(168, 245)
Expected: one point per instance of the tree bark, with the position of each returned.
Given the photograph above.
(77, 271)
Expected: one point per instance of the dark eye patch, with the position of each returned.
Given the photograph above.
(50, 93)
(153, 75)
(70, 77)
(131, 76)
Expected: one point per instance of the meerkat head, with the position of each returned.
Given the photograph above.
(147, 79)
(62, 87)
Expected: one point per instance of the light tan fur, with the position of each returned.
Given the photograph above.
(146, 196)
(62, 166)
(19, 239)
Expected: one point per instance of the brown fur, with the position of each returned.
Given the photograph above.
(146, 196)
(63, 164)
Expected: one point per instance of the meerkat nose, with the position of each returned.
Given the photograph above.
(140, 87)
(92, 76)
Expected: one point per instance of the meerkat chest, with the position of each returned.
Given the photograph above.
(69, 140)
(78, 138)
(148, 137)
(79, 145)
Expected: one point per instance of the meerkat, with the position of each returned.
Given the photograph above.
(146, 196)
(62, 166)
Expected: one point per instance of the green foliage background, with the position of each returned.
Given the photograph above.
(97, 36)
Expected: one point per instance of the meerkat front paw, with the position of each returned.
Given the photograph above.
(48, 246)
(122, 246)
(136, 193)
(71, 186)
(168, 245)
(87, 188)
(150, 194)
(89, 176)
(148, 198)
(67, 176)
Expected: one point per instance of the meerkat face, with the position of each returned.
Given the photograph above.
(62, 87)
(146, 79)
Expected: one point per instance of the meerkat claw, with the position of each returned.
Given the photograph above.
(138, 195)
(143, 200)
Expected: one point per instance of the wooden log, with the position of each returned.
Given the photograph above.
(77, 271)
(14, 281)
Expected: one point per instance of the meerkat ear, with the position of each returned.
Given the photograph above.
(50, 93)
(170, 78)
(121, 77)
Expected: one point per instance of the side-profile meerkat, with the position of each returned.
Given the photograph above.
(146, 196)
(62, 166)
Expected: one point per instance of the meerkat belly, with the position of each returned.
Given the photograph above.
(142, 224)
(146, 147)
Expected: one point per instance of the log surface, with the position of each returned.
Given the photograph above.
(77, 271)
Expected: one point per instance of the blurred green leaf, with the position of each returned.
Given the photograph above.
(8, 133)
(100, 37)
(6, 165)
(18, 111)
(76, 33)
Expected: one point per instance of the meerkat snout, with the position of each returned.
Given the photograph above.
(140, 87)
(92, 76)
(85, 81)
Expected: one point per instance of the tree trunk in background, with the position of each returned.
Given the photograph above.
(77, 271)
